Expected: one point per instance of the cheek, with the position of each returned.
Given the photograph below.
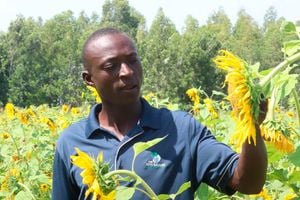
(139, 73)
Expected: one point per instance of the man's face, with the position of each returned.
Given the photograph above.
(114, 69)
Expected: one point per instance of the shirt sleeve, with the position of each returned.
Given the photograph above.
(215, 161)
(62, 186)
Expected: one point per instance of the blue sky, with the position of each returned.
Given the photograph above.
(176, 10)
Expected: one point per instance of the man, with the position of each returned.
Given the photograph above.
(188, 153)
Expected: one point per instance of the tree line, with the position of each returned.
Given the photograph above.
(40, 61)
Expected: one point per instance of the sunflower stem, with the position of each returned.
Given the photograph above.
(272, 103)
(150, 193)
(279, 68)
(297, 103)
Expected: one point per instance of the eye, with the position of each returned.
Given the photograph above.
(110, 65)
(133, 60)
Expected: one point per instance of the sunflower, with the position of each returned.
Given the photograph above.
(277, 134)
(23, 117)
(65, 108)
(95, 94)
(210, 107)
(5, 135)
(193, 94)
(50, 123)
(90, 175)
(44, 187)
(263, 194)
(243, 96)
(75, 111)
(10, 110)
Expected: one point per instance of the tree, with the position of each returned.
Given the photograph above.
(4, 65)
(61, 36)
(119, 14)
(270, 17)
(219, 25)
(25, 58)
(160, 58)
(272, 40)
(246, 38)
(197, 48)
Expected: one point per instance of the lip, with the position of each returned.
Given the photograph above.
(129, 87)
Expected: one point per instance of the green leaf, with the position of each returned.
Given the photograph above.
(286, 87)
(265, 72)
(218, 93)
(294, 177)
(255, 69)
(295, 157)
(288, 27)
(4, 194)
(142, 146)
(124, 193)
(284, 83)
(183, 187)
(202, 192)
(291, 47)
(42, 178)
(280, 175)
(5, 150)
(164, 197)
(273, 154)
(23, 195)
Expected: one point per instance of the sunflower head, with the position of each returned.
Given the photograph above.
(277, 133)
(193, 94)
(93, 175)
(10, 110)
(243, 94)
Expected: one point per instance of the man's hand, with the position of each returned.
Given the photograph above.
(263, 109)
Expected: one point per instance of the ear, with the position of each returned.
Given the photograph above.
(87, 78)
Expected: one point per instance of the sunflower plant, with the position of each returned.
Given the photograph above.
(105, 184)
(247, 85)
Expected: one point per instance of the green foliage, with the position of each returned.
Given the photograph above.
(40, 62)
(294, 158)
(246, 38)
(118, 14)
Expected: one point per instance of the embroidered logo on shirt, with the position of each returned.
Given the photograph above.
(155, 162)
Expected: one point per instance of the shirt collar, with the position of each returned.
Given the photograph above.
(150, 118)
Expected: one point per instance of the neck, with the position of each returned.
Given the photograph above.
(120, 119)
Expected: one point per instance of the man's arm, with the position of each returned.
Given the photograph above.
(61, 185)
(250, 173)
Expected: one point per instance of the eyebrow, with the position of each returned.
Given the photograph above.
(126, 55)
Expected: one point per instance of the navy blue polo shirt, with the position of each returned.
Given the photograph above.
(188, 153)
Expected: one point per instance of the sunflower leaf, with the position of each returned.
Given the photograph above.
(291, 47)
(294, 158)
(142, 146)
(124, 193)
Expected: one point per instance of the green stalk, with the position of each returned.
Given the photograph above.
(271, 108)
(27, 189)
(150, 193)
(297, 103)
(279, 68)
(16, 145)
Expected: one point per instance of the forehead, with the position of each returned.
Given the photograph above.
(116, 43)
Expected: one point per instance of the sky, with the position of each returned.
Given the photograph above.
(175, 10)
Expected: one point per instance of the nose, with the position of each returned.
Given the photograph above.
(125, 70)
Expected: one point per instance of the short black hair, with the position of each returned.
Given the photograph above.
(96, 35)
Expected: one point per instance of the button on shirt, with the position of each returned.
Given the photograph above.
(189, 152)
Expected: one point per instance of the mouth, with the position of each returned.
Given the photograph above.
(129, 87)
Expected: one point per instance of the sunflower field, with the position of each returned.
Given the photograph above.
(28, 135)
